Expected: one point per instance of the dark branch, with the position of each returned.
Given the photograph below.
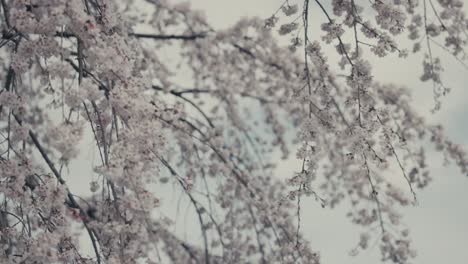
(168, 37)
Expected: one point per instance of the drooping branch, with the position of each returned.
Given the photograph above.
(72, 203)
(168, 37)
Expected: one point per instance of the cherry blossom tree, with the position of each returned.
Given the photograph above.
(97, 68)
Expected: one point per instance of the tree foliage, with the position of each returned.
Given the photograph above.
(208, 118)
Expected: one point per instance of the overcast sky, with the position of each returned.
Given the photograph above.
(439, 224)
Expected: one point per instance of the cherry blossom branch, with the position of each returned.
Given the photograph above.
(196, 36)
(195, 205)
(72, 202)
(437, 15)
(191, 103)
(6, 13)
(257, 232)
(168, 37)
(374, 194)
(337, 37)
(238, 177)
(449, 52)
(94, 132)
(353, 11)
(8, 82)
(305, 17)
(252, 55)
(343, 48)
(398, 161)
(213, 93)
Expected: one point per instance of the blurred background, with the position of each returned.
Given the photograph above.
(439, 223)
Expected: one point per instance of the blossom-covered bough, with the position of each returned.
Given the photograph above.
(208, 118)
